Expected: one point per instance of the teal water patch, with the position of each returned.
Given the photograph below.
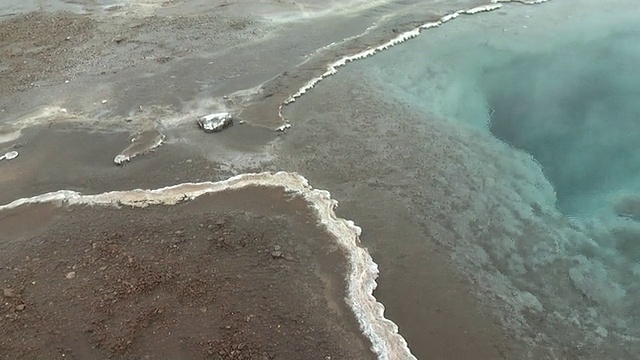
(572, 104)
(538, 108)
(577, 112)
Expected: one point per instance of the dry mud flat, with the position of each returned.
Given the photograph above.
(221, 277)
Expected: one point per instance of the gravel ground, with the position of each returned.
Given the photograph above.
(223, 277)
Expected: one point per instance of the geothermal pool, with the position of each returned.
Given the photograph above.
(514, 151)
(543, 101)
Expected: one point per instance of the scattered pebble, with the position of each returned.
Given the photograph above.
(104, 101)
(276, 254)
(71, 275)
(8, 292)
(21, 307)
(277, 248)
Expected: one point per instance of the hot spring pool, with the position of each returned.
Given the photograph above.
(544, 103)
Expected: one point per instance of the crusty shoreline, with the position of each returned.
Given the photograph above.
(383, 334)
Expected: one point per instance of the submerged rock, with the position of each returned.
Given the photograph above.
(215, 122)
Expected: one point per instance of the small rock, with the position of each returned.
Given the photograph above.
(277, 248)
(104, 101)
(10, 155)
(276, 254)
(215, 122)
(21, 307)
(284, 127)
(71, 275)
(8, 292)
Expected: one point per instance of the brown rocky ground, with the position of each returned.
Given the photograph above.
(223, 277)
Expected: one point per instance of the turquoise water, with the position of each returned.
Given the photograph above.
(577, 112)
(569, 103)
(543, 103)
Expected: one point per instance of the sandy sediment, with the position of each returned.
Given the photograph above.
(382, 333)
